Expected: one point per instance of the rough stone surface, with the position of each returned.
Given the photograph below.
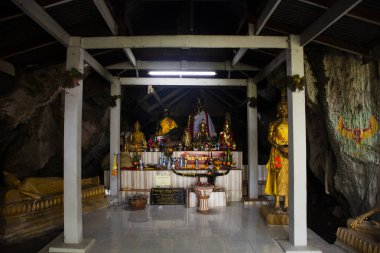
(340, 86)
(31, 125)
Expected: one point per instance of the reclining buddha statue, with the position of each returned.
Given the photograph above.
(362, 233)
(34, 206)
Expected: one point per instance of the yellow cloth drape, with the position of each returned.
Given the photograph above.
(278, 176)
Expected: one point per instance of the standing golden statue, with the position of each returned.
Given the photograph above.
(277, 166)
(226, 138)
(137, 141)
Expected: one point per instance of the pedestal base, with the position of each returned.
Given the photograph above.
(272, 218)
(290, 248)
(203, 204)
(356, 241)
(57, 245)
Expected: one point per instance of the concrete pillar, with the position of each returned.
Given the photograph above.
(252, 142)
(115, 136)
(73, 232)
(297, 148)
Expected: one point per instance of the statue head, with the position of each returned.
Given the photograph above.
(137, 126)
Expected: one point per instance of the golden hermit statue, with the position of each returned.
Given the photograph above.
(166, 124)
(226, 138)
(277, 166)
(137, 139)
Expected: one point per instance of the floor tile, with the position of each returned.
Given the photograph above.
(169, 229)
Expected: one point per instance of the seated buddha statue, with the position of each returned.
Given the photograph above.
(202, 136)
(137, 141)
(226, 138)
(201, 115)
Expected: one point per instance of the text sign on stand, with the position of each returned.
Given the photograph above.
(167, 196)
(162, 180)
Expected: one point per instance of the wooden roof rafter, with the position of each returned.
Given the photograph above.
(42, 18)
(111, 23)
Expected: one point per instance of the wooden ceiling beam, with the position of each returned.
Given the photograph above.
(183, 65)
(184, 41)
(171, 95)
(267, 12)
(359, 13)
(327, 19)
(41, 17)
(270, 67)
(111, 23)
(21, 49)
(321, 39)
(45, 5)
(183, 81)
(239, 55)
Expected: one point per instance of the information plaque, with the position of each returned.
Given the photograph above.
(167, 196)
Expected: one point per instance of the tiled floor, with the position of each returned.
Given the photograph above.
(167, 229)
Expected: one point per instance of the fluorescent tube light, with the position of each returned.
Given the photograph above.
(182, 73)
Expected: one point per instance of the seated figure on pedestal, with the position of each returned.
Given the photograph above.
(277, 166)
(199, 116)
(168, 129)
(226, 138)
(202, 137)
(137, 141)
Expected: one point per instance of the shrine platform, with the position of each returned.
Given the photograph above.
(174, 228)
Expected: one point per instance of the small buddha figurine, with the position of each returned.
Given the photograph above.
(137, 139)
(202, 136)
(226, 138)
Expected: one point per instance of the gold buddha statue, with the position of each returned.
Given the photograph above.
(137, 141)
(226, 138)
(202, 136)
(277, 166)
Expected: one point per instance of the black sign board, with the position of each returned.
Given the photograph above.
(167, 196)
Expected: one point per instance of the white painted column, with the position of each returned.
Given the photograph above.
(297, 148)
(115, 135)
(252, 142)
(73, 232)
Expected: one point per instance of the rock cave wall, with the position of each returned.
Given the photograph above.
(343, 112)
(31, 124)
(342, 118)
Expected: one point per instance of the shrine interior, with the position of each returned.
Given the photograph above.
(340, 40)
